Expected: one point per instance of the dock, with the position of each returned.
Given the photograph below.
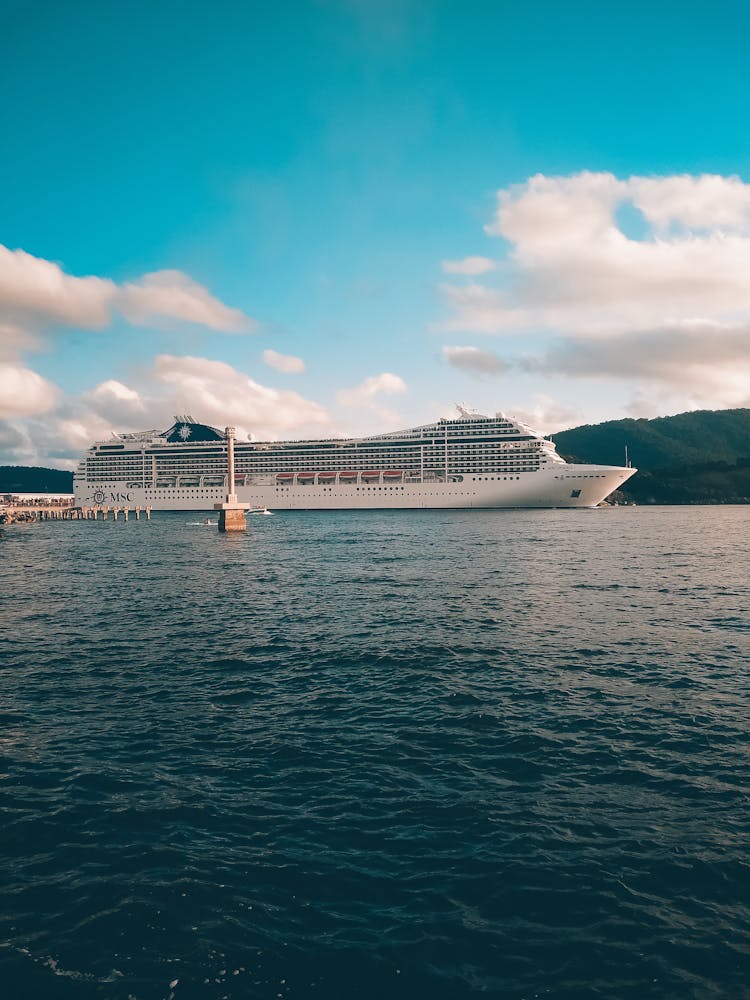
(30, 513)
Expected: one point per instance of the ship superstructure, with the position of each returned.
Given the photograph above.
(473, 460)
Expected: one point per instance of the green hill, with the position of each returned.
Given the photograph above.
(697, 457)
(32, 479)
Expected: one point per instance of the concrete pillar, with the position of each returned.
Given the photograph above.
(232, 519)
(125, 512)
(148, 513)
(230, 433)
(231, 513)
(137, 513)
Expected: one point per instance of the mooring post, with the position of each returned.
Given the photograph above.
(137, 513)
(148, 513)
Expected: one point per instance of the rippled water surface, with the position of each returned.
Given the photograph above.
(377, 754)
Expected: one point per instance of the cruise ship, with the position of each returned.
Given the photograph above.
(473, 460)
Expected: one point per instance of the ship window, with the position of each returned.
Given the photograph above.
(575, 494)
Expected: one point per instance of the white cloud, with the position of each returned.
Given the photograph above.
(221, 394)
(117, 403)
(571, 268)
(213, 391)
(708, 202)
(286, 363)
(471, 266)
(35, 292)
(670, 306)
(37, 289)
(367, 400)
(14, 340)
(548, 415)
(475, 360)
(385, 383)
(112, 389)
(24, 393)
(172, 295)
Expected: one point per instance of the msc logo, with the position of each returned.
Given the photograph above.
(101, 497)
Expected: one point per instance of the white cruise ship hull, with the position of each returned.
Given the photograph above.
(561, 486)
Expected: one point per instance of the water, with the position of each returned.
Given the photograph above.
(377, 754)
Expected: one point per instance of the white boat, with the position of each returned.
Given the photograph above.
(472, 461)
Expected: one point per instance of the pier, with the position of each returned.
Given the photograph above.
(31, 513)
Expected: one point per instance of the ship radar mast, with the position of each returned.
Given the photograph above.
(467, 412)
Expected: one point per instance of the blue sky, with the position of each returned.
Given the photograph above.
(314, 165)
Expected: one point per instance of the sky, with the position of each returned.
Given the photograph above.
(336, 217)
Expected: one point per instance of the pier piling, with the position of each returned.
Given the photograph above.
(38, 511)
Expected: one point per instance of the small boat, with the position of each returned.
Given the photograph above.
(372, 474)
(393, 474)
(261, 510)
(347, 476)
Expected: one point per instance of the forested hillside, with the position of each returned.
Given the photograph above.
(32, 479)
(697, 457)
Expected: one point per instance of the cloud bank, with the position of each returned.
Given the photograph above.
(216, 392)
(23, 393)
(475, 360)
(220, 393)
(37, 295)
(36, 292)
(647, 277)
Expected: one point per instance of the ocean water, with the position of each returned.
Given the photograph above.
(387, 754)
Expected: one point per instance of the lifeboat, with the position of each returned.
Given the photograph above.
(373, 474)
(393, 474)
(284, 477)
(327, 476)
(348, 475)
(306, 476)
